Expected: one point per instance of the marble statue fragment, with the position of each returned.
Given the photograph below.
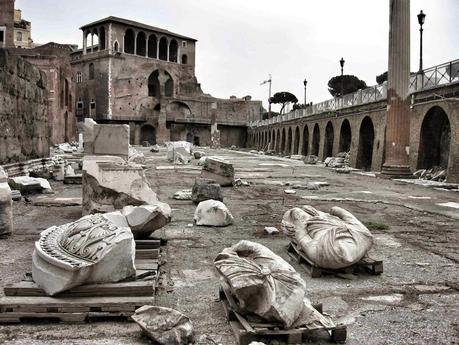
(330, 240)
(264, 284)
(212, 213)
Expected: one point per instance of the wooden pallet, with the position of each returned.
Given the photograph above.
(366, 264)
(26, 301)
(246, 331)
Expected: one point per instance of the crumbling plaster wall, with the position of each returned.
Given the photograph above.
(24, 132)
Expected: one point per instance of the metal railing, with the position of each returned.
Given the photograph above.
(436, 76)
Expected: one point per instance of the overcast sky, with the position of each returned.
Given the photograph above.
(241, 41)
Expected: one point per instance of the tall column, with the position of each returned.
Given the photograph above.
(162, 133)
(135, 43)
(397, 143)
(214, 132)
(85, 43)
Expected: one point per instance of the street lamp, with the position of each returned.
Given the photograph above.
(305, 82)
(341, 62)
(421, 20)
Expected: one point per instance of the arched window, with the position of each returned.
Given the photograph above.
(116, 46)
(173, 50)
(91, 71)
(141, 44)
(184, 59)
(169, 87)
(129, 41)
(152, 44)
(102, 38)
(163, 48)
(153, 84)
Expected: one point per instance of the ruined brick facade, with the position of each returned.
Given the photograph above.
(23, 110)
(128, 72)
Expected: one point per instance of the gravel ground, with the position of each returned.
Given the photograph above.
(415, 300)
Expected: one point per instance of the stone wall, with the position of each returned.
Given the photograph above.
(24, 130)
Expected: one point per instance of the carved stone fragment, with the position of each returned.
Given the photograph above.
(212, 213)
(90, 250)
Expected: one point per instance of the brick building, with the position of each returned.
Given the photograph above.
(132, 73)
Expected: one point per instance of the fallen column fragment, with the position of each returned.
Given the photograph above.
(91, 250)
(330, 240)
(206, 189)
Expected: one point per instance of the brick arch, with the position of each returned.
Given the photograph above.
(315, 145)
(305, 142)
(296, 143)
(283, 141)
(278, 140)
(434, 139)
(366, 144)
(288, 145)
(328, 140)
(345, 136)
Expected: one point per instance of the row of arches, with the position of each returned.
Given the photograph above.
(141, 44)
(434, 140)
(137, 43)
(306, 140)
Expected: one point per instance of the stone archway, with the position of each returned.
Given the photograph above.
(288, 148)
(315, 140)
(329, 139)
(366, 141)
(435, 140)
(296, 144)
(278, 141)
(148, 133)
(284, 137)
(305, 140)
(345, 137)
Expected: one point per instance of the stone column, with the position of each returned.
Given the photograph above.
(214, 132)
(85, 43)
(162, 134)
(396, 162)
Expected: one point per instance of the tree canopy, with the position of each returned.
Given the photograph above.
(349, 83)
(283, 98)
(381, 78)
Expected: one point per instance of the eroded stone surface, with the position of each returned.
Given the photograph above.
(90, 250)
(184, 194)
(109, 183)
(105, 139)
(27, 184)
(164, 326)
(6, 209)
(219, 170)
(330, 240)
(206, 189)
(143, 220)
(212, 213)
(265, 284)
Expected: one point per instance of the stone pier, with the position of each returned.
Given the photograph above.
(397, 143)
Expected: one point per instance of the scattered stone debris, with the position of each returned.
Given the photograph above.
(146, 143)
(165, 326)
(239, 183)
(434, 174)
(311, 159)
(184, 194)
(74, 254)
(212, 213)
(297, 157)
(143, 220)
(136, 157)
(179, 152)
(219, 170)
(343, 170)
(154, 148)
(233, 147)
(330, 240)
(16, 195)
(206, 189)
(198, 154)
(271, 230)
(6, 205)
(266, 285)
(57, 202)
(202, 161)
(290, 191)
(27, 184)
(109, 183)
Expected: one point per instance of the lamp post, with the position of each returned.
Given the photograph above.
(305, 82)
(341, 62)
(421, 20)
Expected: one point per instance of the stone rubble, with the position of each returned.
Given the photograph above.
(27, 184)
(165, 326)
(90, 250)
(6, 205)
(212, 213)
(198, 154)
(270, 230)
(109, 184)
(179, 152)
(184, 194)
(311, 159)
(135, 156)
(154, 148)
(219, 170)
(206, 189)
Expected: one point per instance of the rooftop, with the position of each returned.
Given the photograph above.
(136, 25)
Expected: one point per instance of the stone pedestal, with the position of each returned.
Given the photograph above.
(397, 143)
